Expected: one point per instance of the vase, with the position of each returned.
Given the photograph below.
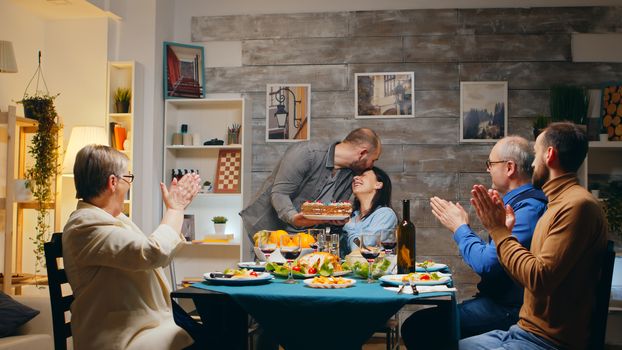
(219, 229)
(122, 106)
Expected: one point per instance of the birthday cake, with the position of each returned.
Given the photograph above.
(326, 209)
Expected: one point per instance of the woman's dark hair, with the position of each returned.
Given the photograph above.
(382, 198)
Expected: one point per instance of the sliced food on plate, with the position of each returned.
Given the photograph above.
(429, 266)
(420, 278)
(329, 282)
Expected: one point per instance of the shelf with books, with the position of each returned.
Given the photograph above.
(120, 112)
(208, 120)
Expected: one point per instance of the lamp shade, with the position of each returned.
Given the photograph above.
(80, 137)
(7, 57)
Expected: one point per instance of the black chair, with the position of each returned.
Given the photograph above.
(56, 278)
(600, 312)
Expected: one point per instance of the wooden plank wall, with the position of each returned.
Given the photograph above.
(529, 48)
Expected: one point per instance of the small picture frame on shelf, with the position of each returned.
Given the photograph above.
(187, 227)
(483, 111)
(384, 95)
(184, 71)
(288, 112)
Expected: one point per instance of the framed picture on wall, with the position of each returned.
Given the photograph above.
(288, 112)
(184, 71)
(384, 95)
(483, 111)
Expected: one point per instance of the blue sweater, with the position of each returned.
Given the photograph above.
(382, 218)
(481, 256)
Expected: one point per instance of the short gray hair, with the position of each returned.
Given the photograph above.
(93, 165)
(518, 150)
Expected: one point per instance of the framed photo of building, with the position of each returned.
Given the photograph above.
(384, 95)
(184, 71)
(483, 111)
(288, 112)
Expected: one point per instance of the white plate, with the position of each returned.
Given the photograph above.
(396, 280)
(251, 265)
(326, 217)
(263, 277)
(350, 283)
(431, 268)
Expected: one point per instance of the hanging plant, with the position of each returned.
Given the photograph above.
(45, 150)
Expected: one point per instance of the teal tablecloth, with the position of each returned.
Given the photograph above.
(300, 317)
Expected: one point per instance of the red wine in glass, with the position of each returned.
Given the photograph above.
(389, 245)
(290, 254)
(370, 255)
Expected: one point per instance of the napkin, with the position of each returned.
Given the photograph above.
(422, 289)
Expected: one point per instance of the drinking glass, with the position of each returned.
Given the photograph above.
(316, 233)
(370, 249)
(290, 249)
(266, 246)
(388, 239)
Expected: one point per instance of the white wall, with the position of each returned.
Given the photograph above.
(138, 36)
(74, 65)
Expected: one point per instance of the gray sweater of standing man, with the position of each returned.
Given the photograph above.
(305, 173)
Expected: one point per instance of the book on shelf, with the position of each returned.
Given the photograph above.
(215, 238)
(118, 135)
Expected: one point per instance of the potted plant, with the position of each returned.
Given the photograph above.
(220, 222)
(612, 194)
(45, 150)
(122, 98)
(37, 105)
(539, 124)
(207, 187)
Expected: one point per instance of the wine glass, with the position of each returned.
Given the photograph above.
(290, 249)
(370, 249)
(316, 233)
(388, 239)
(266, 246)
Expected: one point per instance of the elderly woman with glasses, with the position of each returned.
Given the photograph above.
(115, 271)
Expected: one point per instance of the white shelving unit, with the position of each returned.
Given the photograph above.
(209, 119)
(121, 74)
(603, 158)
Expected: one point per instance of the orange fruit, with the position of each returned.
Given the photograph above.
(611, 108)
(306, 240)
(275, 237)
(615, 97)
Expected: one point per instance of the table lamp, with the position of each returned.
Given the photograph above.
(80, 137)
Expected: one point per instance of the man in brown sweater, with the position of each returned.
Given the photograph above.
(560, 271)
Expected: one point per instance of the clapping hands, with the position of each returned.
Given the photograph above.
(491, 212)
(180, 193)
(449, 214)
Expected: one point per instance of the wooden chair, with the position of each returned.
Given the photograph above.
(600, 312)
(56, 278)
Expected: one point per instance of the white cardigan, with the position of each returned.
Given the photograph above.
(115, 271)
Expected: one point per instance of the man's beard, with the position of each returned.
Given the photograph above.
(540, 176)
(358, 167)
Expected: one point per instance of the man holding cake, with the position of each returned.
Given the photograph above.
(311, 172)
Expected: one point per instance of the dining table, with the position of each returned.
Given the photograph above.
(299, 317)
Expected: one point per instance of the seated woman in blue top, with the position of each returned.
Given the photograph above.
(372, 206)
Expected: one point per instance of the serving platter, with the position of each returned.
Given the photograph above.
(348, 283)
(325, 217)
(261, 278)
(398, 280)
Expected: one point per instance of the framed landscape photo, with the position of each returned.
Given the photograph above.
(184, 71)
(384, 95)
(483, 111)
(288, 112)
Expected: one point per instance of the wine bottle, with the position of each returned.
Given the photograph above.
(406, 241)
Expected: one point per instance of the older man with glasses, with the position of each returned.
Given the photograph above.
(499, 299)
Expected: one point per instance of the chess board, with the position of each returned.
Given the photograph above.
(229, 171)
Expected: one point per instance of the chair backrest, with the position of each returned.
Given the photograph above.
(600, 311)
(56, 278)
